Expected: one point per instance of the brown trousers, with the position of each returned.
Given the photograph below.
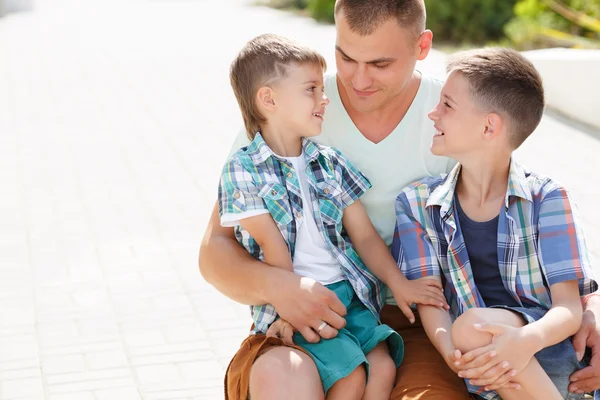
(423, 374)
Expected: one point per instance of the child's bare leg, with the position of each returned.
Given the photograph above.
(351, 387)
(382, 373)
(535, 383)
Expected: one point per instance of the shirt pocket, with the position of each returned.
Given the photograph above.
(276, 200)
(330, 201)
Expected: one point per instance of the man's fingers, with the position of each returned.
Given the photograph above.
(309, 335)
(584, 373)
(407, 312)
(579, 341)
(585, 385)
(336, 305)
(329, 332)
(335, 320)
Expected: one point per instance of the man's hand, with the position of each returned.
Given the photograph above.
(424, 291)
(588, 378)
(306, 304)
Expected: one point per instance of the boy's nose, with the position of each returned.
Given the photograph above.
(325, 100)
(433, 114)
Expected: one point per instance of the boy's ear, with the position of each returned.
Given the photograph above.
(265, 98)
(424, 44)
(493, 126)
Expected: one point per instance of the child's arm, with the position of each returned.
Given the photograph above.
(438, 324)
(375, 254)
(265, 232)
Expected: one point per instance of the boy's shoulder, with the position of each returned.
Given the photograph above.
(423, 187)
(534, 185)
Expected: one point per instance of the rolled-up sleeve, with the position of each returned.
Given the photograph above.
(412, 247)
(562, 249)
(238, 194)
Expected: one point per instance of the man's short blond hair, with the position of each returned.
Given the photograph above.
(364, 16)
(263, 61)
(503, 81)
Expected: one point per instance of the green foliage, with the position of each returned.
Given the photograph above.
(461, 21)
(543, 23)
(321, 10)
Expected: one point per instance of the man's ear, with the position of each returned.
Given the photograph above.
(265, 98)
(424, 44)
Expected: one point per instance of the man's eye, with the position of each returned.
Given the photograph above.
(381, 66)
(346, 59)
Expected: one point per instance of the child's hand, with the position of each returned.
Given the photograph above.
(511, 348)
(283, 330)
(425, 291)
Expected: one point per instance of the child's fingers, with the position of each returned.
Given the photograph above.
(439, 296)
(407, 312)
(477, 357)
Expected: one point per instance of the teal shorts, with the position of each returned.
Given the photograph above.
(336, 358)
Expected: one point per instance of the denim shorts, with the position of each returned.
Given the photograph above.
(558, 361)
(336, 358)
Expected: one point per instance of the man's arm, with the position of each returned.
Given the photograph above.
(226, 265)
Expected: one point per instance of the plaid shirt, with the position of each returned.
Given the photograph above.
(256, 179)
(540, 242)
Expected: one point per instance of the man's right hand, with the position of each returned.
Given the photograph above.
(306, 304)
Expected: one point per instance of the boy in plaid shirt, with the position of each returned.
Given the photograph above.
(294, 205)
(505, 242)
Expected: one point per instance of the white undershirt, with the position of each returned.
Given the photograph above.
(312, 256)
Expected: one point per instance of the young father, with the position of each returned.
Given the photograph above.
(377, 117)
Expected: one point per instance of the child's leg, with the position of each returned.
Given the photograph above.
(534, 382)
(382, 373)
(351, 387)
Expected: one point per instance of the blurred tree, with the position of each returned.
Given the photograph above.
(468, 21)
(321, 10)
(543, 23)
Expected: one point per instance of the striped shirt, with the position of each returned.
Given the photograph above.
(540, 241)
(255, 179)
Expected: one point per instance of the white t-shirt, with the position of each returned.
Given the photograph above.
(401, 158)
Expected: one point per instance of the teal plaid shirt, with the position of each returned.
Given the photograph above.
(256, 179)
(540, 241)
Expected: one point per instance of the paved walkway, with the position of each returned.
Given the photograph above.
(115, 117)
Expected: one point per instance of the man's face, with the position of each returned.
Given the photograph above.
(374, 69)
(300, 100)
(458, 121)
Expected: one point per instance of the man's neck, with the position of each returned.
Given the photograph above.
(378, 124)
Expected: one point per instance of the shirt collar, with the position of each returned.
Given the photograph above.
(259, 151)
(443, 195)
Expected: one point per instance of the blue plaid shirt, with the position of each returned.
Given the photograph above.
(256, 179)
(540, 241)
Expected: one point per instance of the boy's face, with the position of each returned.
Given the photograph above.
(375, 68)
(459, 122)
(300, 100)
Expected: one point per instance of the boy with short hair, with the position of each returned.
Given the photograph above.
(505, 242)
(294, 205)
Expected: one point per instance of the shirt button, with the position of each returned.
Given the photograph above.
(289, 175)
(236, 195)
(273, 192)
(298, 215)
(326, 190)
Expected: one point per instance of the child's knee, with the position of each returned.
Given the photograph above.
(464, 335)
(383, 369)
(356, 381)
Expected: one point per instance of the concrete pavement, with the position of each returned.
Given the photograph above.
(115, 118)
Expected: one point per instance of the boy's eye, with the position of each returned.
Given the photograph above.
(447, 105)
(311, 89)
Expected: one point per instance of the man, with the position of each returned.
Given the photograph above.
(378, 117)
